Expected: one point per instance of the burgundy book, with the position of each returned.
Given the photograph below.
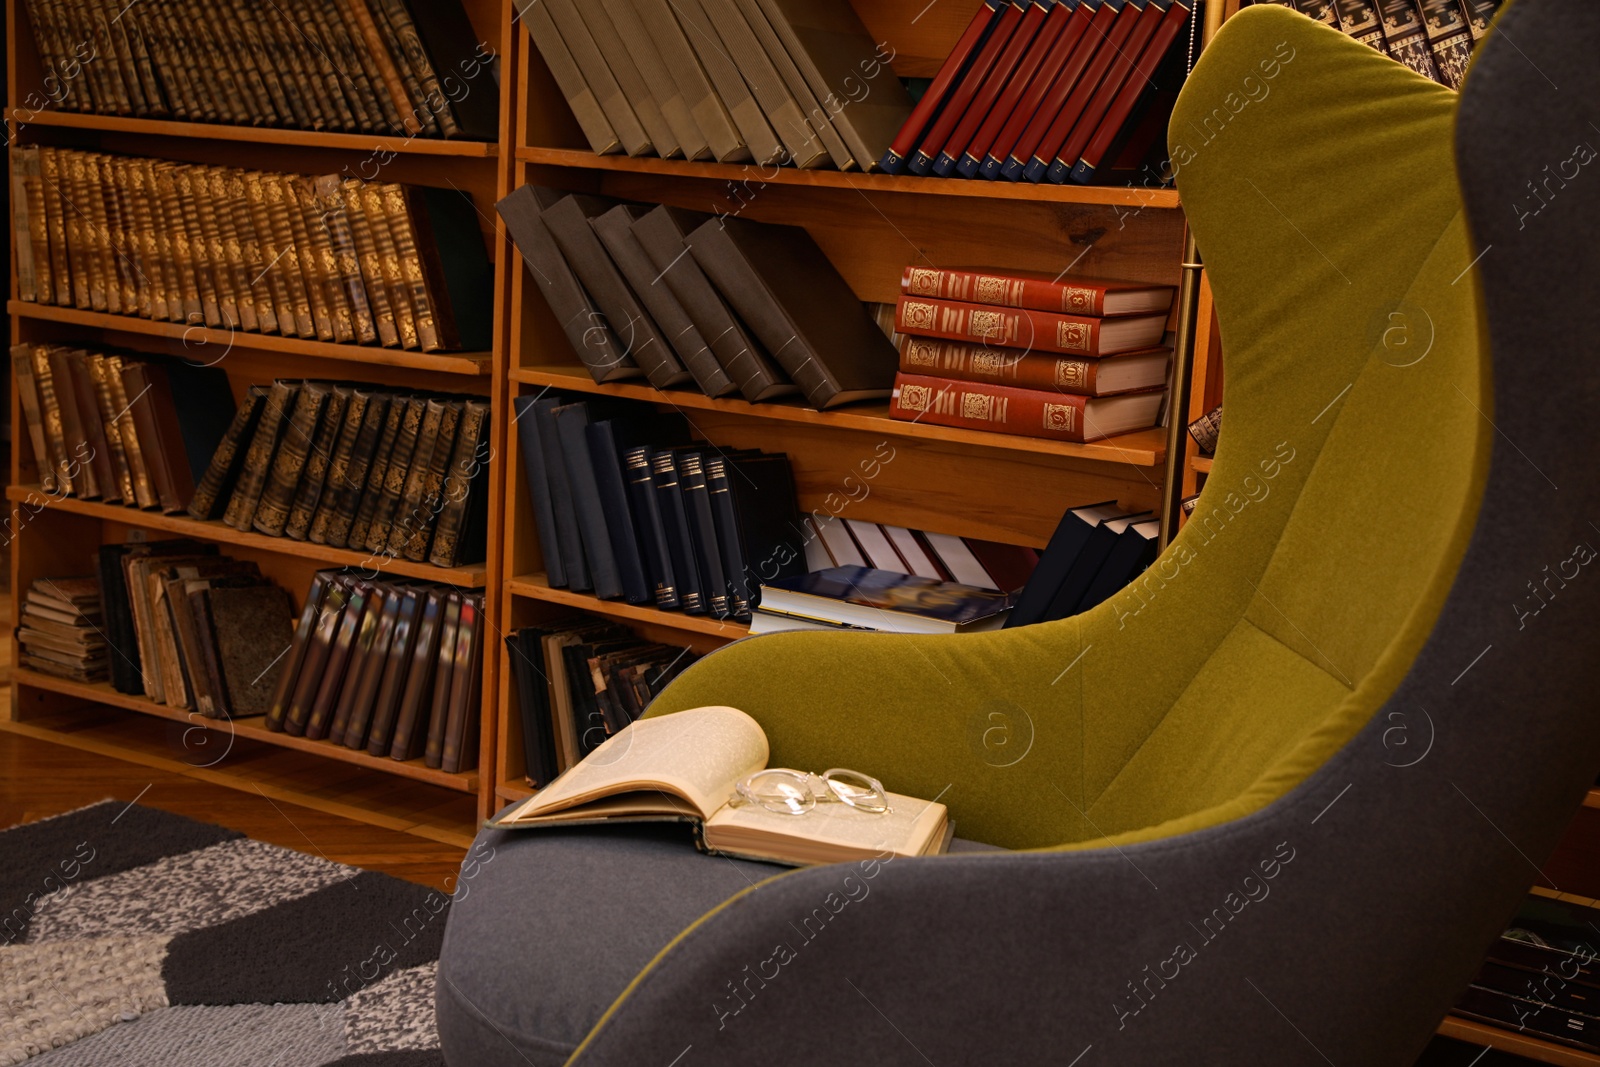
(1027, 412)
(1083, 90)
(1031, 72)
(1098, 30)
(955, 64)
(1142, 81)
(1127, 372)
(1022, 329)
(994, 83)
(1038, 290)
(961, 94)
(1119, 74)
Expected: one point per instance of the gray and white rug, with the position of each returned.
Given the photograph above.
(136, 938)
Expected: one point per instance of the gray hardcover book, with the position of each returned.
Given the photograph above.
(635, 36)
(597, 129)
(705, 106)
(833, 50)
(592, 65)
(640, 93)
(765, 147)
(803, 146)
(816, 115)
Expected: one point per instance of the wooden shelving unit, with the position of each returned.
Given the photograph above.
(53, 537)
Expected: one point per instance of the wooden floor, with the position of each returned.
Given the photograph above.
(39, 779)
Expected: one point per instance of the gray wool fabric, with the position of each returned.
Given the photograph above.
(1335, 926)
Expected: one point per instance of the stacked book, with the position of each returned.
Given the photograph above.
(1054, 90)
(190, 628)
(1206, 429)
(1435, 38)
(60, 631)
(578, 682)
(139, 430)
(970, 561)
(1541, 976)
(680, 298)
(323, 258)
(394, 668)
(410, 67)
(629, 508)
(775, 82)
(863, 598)
(400, 474)
(1056, 357)
(1093, 554)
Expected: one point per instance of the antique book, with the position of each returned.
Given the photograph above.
(652, 530)
(449, 266)
(284, 254)
(971, 362)
(322, 585)
(605, 463)
(688, 139)
(101, 373)
(1449, 39)
(1404, 37)
(987, 91)
(225, 298)
(331, 212)
(355, 667)
(78, 471)
(329, 316)
(276, 412)
(693, 595)
(61, 463)
(957, 95)
(377, 470)
(531, 684)
(703, 531)
(364, 246)
(32, 198)
(22, 227)
(572, 421)
(55, 223)
(445, 665)
(411, 720)
(639, 93)
(460, 531)
(1161, 54)
(367, 668)
(193, 234)
(425, 512)
(392, 672)
(87, 286)
(1021, 328)
(92, 421)
(1037, 290)
(334, 479)
(460, 748)
(274, 311)
(314, 475)
(684, 768)
(252, 626)
(406, 461)
(333, 673)
(603, 355)
(1206, 429)
(1029, 81)
(289, 459)
(33, 415)
(794, 300)
(414, 515)
(1027, 412)
(346, 481)
(758, 529)
(1103, 21)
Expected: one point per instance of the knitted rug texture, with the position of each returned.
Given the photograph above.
(136, 938)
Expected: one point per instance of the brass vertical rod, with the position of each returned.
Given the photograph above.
(1178, 403)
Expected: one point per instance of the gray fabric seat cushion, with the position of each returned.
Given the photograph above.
(549, 927)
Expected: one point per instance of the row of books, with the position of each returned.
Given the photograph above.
(1054, 90)
(684, 298)
(1435, 38)
(1205, 430)
(117, 427)
(580, 680)
(1095, 552)
(321, 258)
(987, 565)
(362, 66)
(61, 629)
(794, 82)
(401, 474)
(628, 507)
(394, 668)
(1541, 976)
(191, 628)
(1061, 358)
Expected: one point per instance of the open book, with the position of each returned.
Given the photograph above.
(682, 768)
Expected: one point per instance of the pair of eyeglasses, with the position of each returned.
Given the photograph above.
(788, 792)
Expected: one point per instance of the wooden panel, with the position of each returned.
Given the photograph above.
(1525, 1045)
(921, 32)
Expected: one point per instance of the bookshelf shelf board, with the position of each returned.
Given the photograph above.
(866, 183)
(537, 587)
(512, 793)
(466, 577)
(1525, 1045)
(252, 727)
(1200, 464)
(279, 774)
(1591, 799)
(358, 142)
(209, 345)
(1145, 448)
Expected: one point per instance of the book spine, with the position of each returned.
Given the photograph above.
(329, 316)
(417, 56)
(1146, 20)
(315, 475)
(22, 243)
(1097, 27)
(334, 675)
(680, 542)
(979, 363)
(463, 674)
(342, 496)
(298, 687)
(61, 461)
(536, 479)
(652, 531)
(226, 192)
(419, 678)
(338, 463)
(369, 268)
(268, 290)
(1171, 21)
(284, 253)
(986, 96)
(289, 460)
(187, 213)
(1054, 137)
(977, 287)
(99, 227)
(443, 673)
(38, 229)
(386, 479)
(1011, 328)
(143, 490)
(928, 107)
(111, 427)
(33, 414)
(225, 300)
(377, 469)
(470, 458)
(390, 90)
(597, 130)
(388, 262)
(346, 264)
(419, 114)
(620, 528)
(409, 517)
(398, 215)
(726, 523)
(98, 458)
(137, 383)
(957, 98)
(995, 408)
(78, 239)
(397, 657)
(424, 515)
(55, 221)
(119, 227)
(252, 481)
(184, 298)
(348, 721)
(1029, 99)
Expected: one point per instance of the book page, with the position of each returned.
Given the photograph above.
(830, 832)
(696, 754)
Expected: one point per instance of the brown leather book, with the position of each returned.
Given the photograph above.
(397, 658)
(225, 191)
(21, 233)
(411, 720)
(175, 232)
(285, 253)
(332, 214)
(332, 675)
(310, 616)
(33, 415)
(86, 284)
(377, 471)
(339, 105)
(216, 485)
(94, 210)
(252, 481)
(365, 684)
(125, 248)
(314, 477)
(252, 267)
(355, 666)
(183, 678)
(209, 232)
(254, 44)
(796, 303)
(458, 532)
(286, 291)
(154, 261)
(94, 428)
(80, 472)
(55, 223)
(147, 622)
(38, 227)
(138, 381)
(253, 625)
(110, 425)
(289, 459)
(190, 226)
(423, 513)
(370, 267)
(405, 31)
(395, 475)
(388, 262)
(367, 49)
(398, 216)
(55, 456)
(342, 496)
(407, 512)
(466, 687)
(414, 93)
(144, 492)
(318, 253)
(210, 695)
(443, 674)
(338, 463)
(325, 318)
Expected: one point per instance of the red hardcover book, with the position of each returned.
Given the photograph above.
(1027, 412)
(1037, 290)
(1142, 81)
(1101, 20)
(1119, 74)
(963, 361)
(972, 38)
(1031, 75)
(994, 82)
(1093, 74)
(960, 94)
(1019, 328)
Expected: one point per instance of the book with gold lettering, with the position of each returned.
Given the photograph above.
(314, 478)
(354, 420)
(460, 531)
(402, 463)
(1028, 412)
(257, 467)
(55, 221)
(216, 485)
(1039, 331)
(422, 511)
(289, 459)
(377, 470)
(967, 361)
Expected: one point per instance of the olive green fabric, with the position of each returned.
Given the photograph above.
(1327, 536)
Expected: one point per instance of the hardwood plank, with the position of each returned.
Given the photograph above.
(537, 587)
(1526, 1045)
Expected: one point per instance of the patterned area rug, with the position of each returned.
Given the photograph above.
(135, 938)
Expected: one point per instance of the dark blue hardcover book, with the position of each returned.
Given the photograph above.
(536, 479)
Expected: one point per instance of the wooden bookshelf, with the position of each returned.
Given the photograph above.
(54, 537)
(1526, 1045)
